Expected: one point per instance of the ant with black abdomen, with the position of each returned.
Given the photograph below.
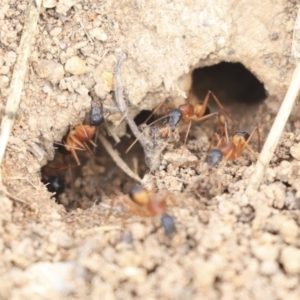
(194, 113)
(155, 204)
(76, 139)
(81, 134)
(233, 149)
(188, 113)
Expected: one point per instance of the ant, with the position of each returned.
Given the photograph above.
(233, 149)
(156, 206)
(194, 113)
(78, 137)
(188, 113)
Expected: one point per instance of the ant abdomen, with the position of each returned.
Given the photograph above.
(139, 195)
(213, 157)
(169, 225)
(97, 117)
(174, 117)
(156, 205)
(54, 185)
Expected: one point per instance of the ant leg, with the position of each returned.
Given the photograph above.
(76, 142)
(158, 107)
(120, 122)
(65, 145)
(246, 144)
(226, 132)
(80, 123)
(204, 104)
(215, 136)
(204, 118)
(88, 149)
(258, 138)
(93, 143)
(187, 132)
(221, 125)
(226, 158)
(75, 155)
(219, 104)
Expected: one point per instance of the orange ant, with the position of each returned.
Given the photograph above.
(231, 150)
(195, 113)
(188, 113)
(80, 135)
(156, 206)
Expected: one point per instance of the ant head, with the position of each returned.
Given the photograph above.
(213, 157)
(97, 117)
(240, 137)
(139, 195)
(174, 117)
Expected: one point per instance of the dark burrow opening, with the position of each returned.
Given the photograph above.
(232, 83)
(98, 177)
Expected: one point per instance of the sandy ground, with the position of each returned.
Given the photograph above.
(91, 242)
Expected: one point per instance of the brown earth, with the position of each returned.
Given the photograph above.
(95, 244)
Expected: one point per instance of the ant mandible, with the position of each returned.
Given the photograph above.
(80, 135)
(156, 205)
(233, 149)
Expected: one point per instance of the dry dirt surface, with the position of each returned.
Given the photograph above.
(91, 241)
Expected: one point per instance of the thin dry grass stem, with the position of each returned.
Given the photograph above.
(13, 197)
(116, 157)
(281, 118)
(37, 187)
(121, 103)
(18, 76)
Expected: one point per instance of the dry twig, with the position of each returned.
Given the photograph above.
(4, 191)
(281, 118)
(115, 156)
(121, 103)
(18, 76)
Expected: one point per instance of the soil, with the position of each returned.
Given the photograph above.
(91, 241)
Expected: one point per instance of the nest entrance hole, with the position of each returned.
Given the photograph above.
(235, 86)
(97, 178)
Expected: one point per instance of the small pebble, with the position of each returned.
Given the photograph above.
(290, 258)
(49, 3)
(64, 6)
(62, 239)
(279, 192)
(289, 231)
(98, 34)
(75, 65)
(56, 31)
(269, 267)
(138, 231)
(265, 252)
(284, 171)
(295, 151)
(50, 70)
